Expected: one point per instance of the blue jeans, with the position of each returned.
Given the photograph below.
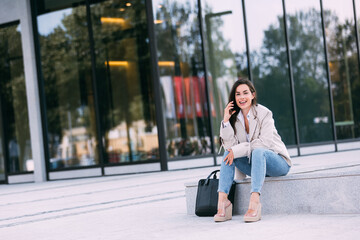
(263, 163)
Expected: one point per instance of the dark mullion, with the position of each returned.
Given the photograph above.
(356, 33)
(94, 85)
(328, 76)
(156, 85)
(3, 136)
(207, 90)
(41, 86)
(247, 42)
(357, 36)
(291, 79)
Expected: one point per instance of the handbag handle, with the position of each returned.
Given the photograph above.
(208, 178)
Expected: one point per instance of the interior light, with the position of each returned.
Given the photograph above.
(112, 20)
(122, 9)
(158, 21)
(126, 63)
(128, 4)
(166, 63)
(117, 63)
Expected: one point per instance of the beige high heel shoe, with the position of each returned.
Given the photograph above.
(253, 215)
(227, 209)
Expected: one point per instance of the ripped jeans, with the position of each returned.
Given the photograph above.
(263, 163)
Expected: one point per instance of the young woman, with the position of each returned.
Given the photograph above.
(253, 145)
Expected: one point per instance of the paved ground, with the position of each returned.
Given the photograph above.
(152, 206)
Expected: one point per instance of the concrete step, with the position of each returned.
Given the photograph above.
(326, 191)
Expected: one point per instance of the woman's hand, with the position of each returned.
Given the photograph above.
(229, 159)
(228, 111)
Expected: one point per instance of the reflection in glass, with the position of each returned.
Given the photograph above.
(225, 51)
(355, 88)
(66, 68)
(309, 70)
(269, 62)
(182, 78)
(344, 66)
(14, 113)
(2, 155)
(127, 109)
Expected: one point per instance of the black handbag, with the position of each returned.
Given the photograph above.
(207, 195)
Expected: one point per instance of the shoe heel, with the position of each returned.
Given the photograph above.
(254, 218)
(259, 212)
(227, 216)
(228, 213)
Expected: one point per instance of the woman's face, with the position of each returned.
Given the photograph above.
(243, 97)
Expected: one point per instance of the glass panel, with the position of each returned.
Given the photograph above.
(124, 81)
(309, 70)
(66, 68)
(356, 87)
(344, 66)
(225, 51)
(182, 78)
(14, 112)
(269, 64)
(2, 155)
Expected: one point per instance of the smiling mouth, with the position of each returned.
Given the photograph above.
(242, 102)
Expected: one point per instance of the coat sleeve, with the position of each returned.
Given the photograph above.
(228, 136)
(230, 141)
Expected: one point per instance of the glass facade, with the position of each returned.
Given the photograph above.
(66, 68)
(15, 141)
(309, 70)
(225, 52)
(269, 64)
(2, 155)
(123, 80)
(344, 66)
(182, 78)
(121, 87)
(100, 63)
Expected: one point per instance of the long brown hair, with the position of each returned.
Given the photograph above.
(232, 98)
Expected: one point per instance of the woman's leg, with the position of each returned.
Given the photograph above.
(266, 163)
(227, 173)
(263, 163)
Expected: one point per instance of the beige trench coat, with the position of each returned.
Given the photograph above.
(262, 134)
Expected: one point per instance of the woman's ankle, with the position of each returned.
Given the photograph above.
(222, 199)
(254, 200)
(255, 197)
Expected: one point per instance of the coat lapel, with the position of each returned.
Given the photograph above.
(252, 122)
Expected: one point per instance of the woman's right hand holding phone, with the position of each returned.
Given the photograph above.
(229, 111)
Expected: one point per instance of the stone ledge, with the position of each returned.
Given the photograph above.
(314, 192)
